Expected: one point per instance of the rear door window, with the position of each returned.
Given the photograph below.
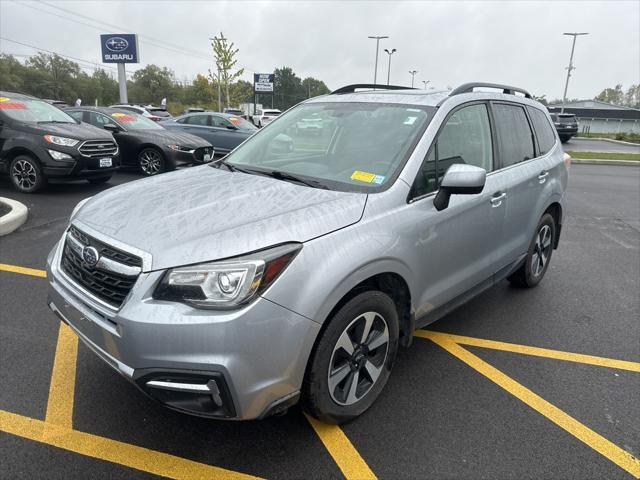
(515, 137)
(544, 130)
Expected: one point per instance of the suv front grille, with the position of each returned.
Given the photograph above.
(100, 280)
(98, 148)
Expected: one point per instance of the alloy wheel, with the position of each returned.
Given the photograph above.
(358, 358)
(24, 174)
(541, 251)
(150, 162)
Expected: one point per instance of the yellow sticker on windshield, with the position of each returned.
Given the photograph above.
(363, 176)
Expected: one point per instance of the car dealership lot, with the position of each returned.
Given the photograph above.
(476, 405)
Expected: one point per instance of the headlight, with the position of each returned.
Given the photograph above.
(228, 283)
(78, 207)
(180, 148)
(65, 142)
(59, 155)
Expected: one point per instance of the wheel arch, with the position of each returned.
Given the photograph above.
(555, 210)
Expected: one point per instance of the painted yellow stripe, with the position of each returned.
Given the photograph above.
(23, 270)
(600, 444)
(63, 379)
(139, 458)
(537, 352)
(345, 455)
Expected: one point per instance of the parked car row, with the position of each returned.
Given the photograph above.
(39, 141)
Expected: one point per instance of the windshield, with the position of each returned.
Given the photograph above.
(133, 121)
(32, 110)
(241, 123)
(358, 147)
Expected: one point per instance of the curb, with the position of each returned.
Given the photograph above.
(15, 218)
(610, 140)
(598, 161)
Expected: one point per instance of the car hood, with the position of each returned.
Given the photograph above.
(166, 137)
(203, 213)
(81, 131)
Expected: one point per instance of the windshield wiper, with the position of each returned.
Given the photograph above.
(293, 178)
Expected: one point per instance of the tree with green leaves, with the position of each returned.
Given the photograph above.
(226, 73)
(56, 75)
(613, 95)
(151, 84)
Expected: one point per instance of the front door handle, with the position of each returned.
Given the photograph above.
(543, 176)
(497, 199)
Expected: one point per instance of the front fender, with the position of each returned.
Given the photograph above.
(327, 268)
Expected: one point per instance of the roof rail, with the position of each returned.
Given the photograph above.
(352, 88)
(468, 88)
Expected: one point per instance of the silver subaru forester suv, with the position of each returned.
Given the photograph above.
(292, 269)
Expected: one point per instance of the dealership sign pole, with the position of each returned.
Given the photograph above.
(121, 49)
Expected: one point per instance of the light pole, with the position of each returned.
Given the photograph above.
(424, 82)
(375, 70)
(570, 67)
(393, 50)
(413, 74)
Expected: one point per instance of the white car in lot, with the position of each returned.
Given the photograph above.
(264, 117)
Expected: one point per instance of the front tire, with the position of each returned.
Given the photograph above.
(352, 359)
(151, 161)
(26, 174)
(538, 256)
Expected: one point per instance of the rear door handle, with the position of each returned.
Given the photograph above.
(543, 176)
(497, 199)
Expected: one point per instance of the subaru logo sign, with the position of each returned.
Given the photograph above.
(119, 48)
(90, 256)
(116, 44)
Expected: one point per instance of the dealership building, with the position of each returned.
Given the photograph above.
(601, 117)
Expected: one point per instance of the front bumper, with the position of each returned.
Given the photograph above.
(256, 355)
(197, 156)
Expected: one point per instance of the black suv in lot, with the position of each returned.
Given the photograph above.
(39, 141)
(566, 125)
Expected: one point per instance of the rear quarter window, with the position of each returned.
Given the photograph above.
(544, 131)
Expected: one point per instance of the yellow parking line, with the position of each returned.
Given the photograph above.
(63, 379)
(600, 444)
(535, 351)
(342, 450)
(23, 270)
(139, 458)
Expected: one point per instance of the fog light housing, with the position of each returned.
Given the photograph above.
(204, 394)
(59, 155)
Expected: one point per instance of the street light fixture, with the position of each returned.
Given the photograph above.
(413, 74)
(393, 50)
(570, 67)
(375, 70)
(425, 83)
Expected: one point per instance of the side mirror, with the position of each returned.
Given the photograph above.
(111, 127)
(460, 179)
(231, 127)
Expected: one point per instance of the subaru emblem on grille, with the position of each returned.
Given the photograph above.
(90, 256)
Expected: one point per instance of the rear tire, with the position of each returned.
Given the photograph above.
(26, 174)
(352, 359)
(99, 180)
(564, 139)
(538, 256)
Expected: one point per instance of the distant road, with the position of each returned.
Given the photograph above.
(583, 145)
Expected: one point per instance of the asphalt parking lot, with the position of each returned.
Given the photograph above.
(516, 384)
